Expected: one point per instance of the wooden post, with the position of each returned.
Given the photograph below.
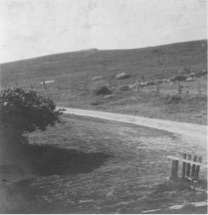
(188, 169)
(143, 78)
(193, 167)
(31, 86)
(44, 85)
(174, 170)
(198, 86)
(16, 83)
(59, 87)
(184, 167)
(196, 176)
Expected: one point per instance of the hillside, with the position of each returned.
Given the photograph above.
(152, 62)
(69, 80)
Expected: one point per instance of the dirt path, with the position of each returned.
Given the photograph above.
(191, 133)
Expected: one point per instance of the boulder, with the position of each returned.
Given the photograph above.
(122, 76)
(97, 78)
(178, 78)
(132, 86)
(189, 79)
(192, 74)
(124, 88)
(166, 81)
(150, 83)
(158, 81)
(108, 96)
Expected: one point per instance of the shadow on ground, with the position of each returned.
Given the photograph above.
(48, 160)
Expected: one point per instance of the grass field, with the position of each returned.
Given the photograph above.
(129, 175)
(87, 165)
(74, 72)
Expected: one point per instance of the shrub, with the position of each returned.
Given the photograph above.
(169, 99)
(23, 111)
(101, 90)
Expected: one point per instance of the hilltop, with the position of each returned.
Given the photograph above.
(152, 62)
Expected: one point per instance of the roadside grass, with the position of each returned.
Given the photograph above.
(129, 175)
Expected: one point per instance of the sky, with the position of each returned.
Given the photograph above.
(32, 28)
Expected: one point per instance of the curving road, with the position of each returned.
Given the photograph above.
(194, 133)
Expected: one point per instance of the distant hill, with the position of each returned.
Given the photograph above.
(152, 62)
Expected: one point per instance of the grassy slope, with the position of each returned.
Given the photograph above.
(152, 62)
(75, 71)
(130, 180)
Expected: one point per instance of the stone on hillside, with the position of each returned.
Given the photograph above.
(189, 79)
(122, 76)
(192, 74)
(97, 78)
(124, 88)
(150, 83)
(108, 96)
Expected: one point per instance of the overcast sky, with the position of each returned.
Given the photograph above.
(30, 28)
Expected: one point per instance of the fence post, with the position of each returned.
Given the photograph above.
(198, 86)
(16, 83)
(184, 166)
(44, 85)
(196, 176)
(193, 167)
(31, 86)
(59, 87)
(188, 167)
(174, 170)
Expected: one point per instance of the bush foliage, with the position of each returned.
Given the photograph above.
(23, 111)
(101, 90)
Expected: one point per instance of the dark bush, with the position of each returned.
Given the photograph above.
(23, 111)
(169, 99)
(102, 90)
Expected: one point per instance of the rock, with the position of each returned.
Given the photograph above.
(124, 88)
(166, 81)
(189, 79)
(150, 83)
(122, 76)
(192, 74)
(143, 84)
(178, 78)
(108, 96)
(97, 78)
(201, 73)
(158, 81)
(132, 86)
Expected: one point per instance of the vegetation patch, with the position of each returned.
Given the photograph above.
(46, 160)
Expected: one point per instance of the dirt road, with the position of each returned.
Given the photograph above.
(191, 133)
